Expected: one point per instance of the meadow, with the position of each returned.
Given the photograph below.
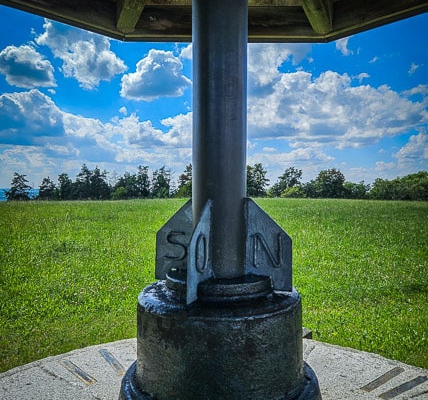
(71, 272)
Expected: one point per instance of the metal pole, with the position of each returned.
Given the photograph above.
(220, 33)
(190, 345)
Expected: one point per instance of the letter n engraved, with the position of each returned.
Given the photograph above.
(260, 246)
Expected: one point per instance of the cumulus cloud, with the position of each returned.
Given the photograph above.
(26, 117)
(31, 120)
(26, 68)
(86, 56)
(186, 52)
(414, 152)
(265, 59)
(311, 160)
(328, 110)
(342, 46)
(296, 156)
(382, 166)
(136, 133)
(157, 75)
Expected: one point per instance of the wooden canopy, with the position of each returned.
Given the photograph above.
(268, 20)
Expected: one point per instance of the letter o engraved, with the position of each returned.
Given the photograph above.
(201, 253)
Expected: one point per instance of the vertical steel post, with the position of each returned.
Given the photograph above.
(220, 34)
(223, 338)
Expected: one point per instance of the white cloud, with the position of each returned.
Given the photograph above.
(180, 130)
(143, 134)
(374, 59)
(413, 68)
(383, 166)
(309, 160)
(265, 59)
(123, 110)
(157, 75)
(328, 110)
(418, 90)
(270, 149)
(26, 68)
(342, 46)
(40, 139)
(362, 76)
(414, 153)
(28, 117)
(86, 56)
(186, 52)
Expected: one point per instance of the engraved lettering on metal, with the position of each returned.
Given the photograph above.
(172, 242)
(201, 253)
(268, 248)
(178, 239)
(260, 245)
(199, 266)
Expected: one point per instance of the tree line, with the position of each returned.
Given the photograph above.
(330, 183)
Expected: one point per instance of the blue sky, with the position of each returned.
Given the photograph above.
(69, 97)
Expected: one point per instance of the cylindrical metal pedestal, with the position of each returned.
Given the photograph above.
(232, 351)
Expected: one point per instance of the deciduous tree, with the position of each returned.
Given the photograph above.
(289, 179)
(256, 180)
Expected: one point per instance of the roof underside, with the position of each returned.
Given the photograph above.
(268, 20)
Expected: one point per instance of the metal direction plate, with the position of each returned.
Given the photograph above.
(172, 242)
(390, 394)
(199, 265)
(78, 372)
(387, 376)
(268, 248)
(113, 362)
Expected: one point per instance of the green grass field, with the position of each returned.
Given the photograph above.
(71, 272)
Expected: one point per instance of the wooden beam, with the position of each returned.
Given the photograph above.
(319, 14)
(128, 14)
(268, 20)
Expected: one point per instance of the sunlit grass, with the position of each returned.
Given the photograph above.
(71, 272)
(362, 270)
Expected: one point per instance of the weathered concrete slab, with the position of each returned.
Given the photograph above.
(91, 373)
(346, 373)
(95, 373)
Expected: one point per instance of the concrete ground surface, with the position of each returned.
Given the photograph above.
(95, 373)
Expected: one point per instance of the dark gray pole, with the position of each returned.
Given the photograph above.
(220, 35)
(223, 338)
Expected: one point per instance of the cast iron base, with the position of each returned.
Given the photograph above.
(245, 348)
(130, 391)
